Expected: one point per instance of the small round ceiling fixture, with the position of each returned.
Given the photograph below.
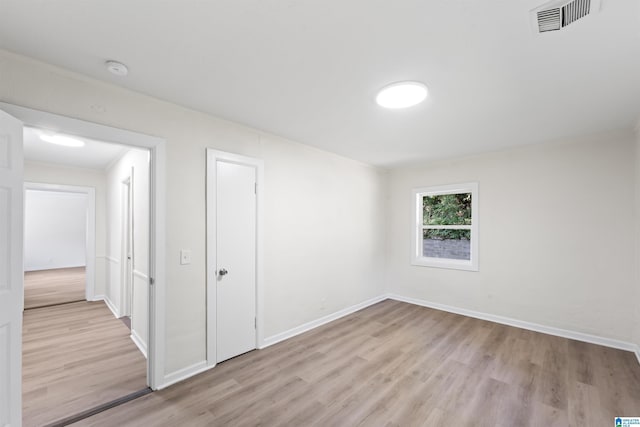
(401, 95)
(117, 68)
(63, 140)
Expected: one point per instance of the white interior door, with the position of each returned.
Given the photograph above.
(11, 277)
(236, 259)
(126, 290)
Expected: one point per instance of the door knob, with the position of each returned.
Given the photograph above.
(223, 271)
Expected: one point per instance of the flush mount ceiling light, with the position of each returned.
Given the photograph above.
(401, 95)
(63, 140)
(117, 68)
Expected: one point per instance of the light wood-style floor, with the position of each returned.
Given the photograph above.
(75, 357)
(396, 364)
(49, 287)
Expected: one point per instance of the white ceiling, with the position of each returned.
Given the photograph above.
(94, 155)
(309, 70)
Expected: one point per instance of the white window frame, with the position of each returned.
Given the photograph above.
(417, 227)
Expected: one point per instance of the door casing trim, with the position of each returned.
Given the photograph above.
(157, 215)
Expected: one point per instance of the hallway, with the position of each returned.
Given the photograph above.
(76, 356)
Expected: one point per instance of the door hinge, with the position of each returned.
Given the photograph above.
(152, 280)
(255, 188)
(255, 323)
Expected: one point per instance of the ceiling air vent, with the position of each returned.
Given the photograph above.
(556, 15)
(549, 20)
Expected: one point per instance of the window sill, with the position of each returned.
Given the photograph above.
(445, 263)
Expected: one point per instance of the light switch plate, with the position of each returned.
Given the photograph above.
(185, 256)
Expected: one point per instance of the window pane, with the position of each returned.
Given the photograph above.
(450, 244)
(447, 209)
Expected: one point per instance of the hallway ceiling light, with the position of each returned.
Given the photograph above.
(63, 140)
(117, 68)
(401, 95)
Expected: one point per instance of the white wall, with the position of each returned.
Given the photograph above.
(636, 296)
(134, 163)
(55, 174)
(314, 245)
(556, 235)
(325, 233)
(54, 230)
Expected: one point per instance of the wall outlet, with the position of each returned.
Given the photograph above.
(185, 256)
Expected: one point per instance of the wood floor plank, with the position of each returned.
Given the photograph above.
(75, 357)
(49, 287)
(420, 406)
(396, 364)
(390, 401)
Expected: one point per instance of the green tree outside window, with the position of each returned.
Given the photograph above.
(447, 209)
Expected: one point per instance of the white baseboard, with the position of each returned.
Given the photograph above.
(50, 267)
(200, 367)
(183, 374)
(111, 306)
(139, 343)
(98, 298)
(578, 336)
(274, 339)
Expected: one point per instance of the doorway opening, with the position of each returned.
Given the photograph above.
(147, 274)
(59, 244)
(68, 338)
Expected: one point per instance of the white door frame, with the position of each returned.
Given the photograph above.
(126, 250)
(157, 212)
(90, 236)
(212, 157)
